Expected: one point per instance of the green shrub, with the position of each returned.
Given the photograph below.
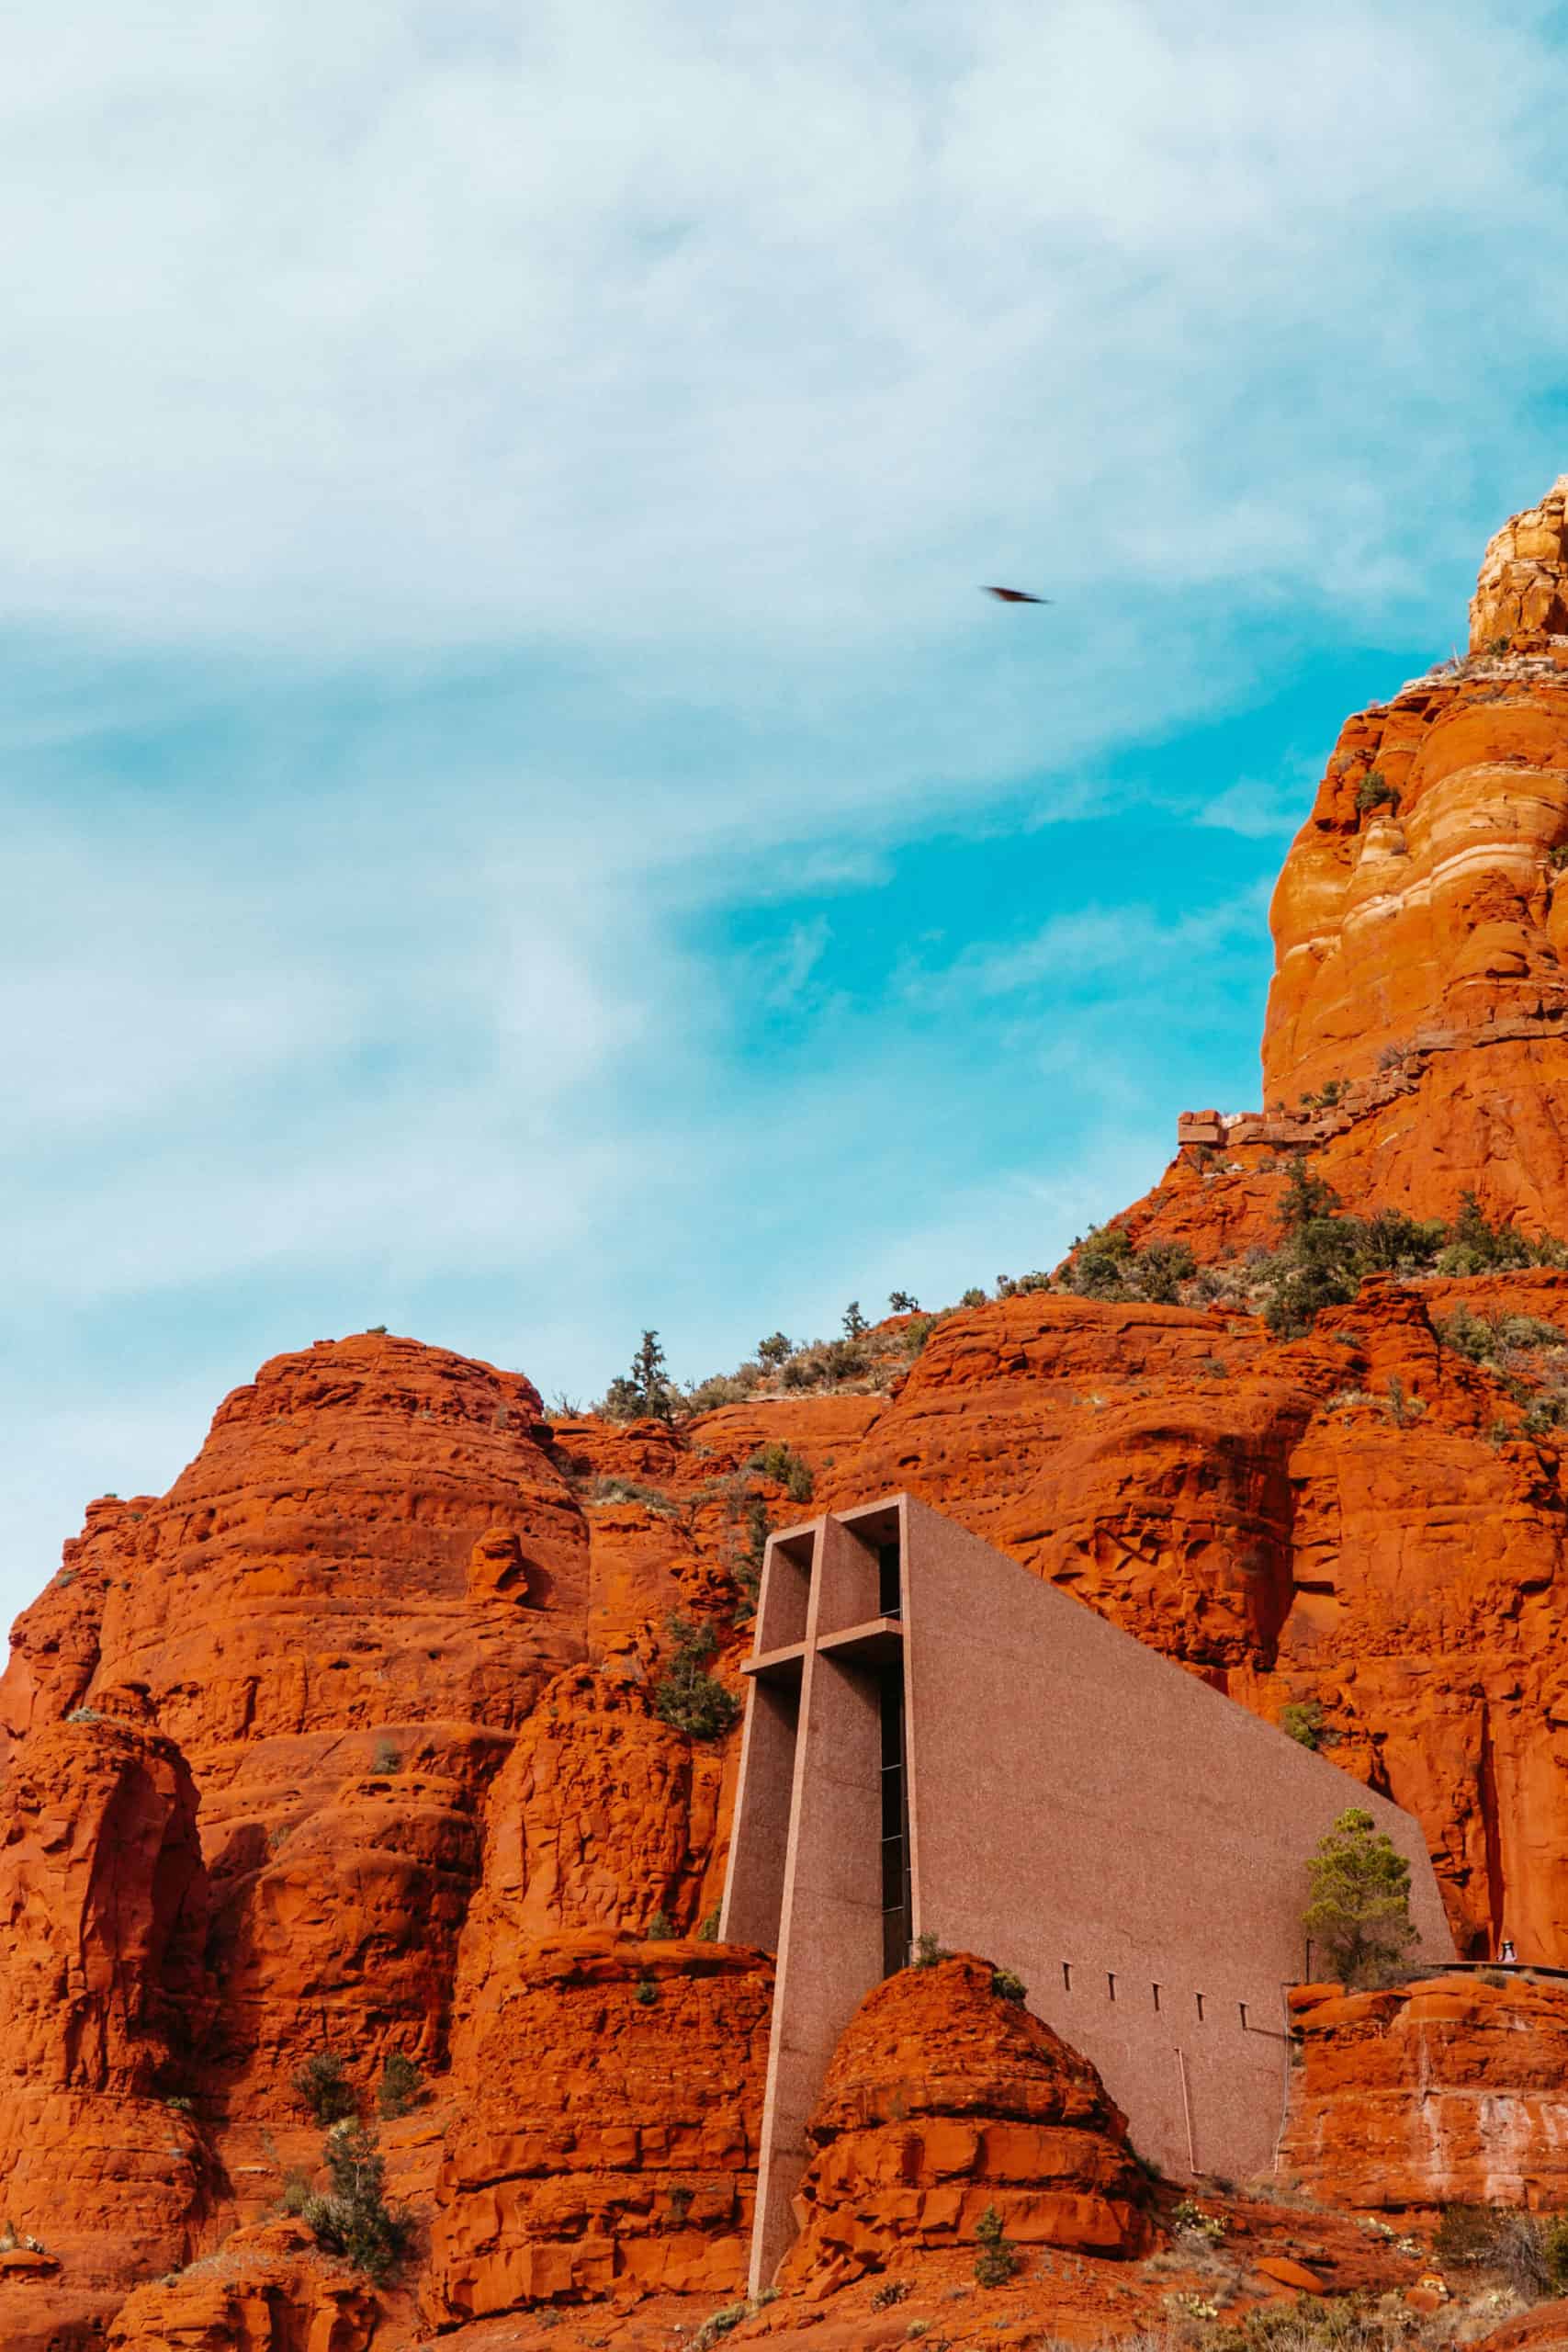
(1359, 1912)
(928, 1952)
(387, 1758)
(891, 2291)
(708, 1925)
(1190, 2220)
(354, 2219)
(916, 1333)
(902, 1302)
(719, 2325)
(322, 2088)
(974, 1298)
(645, 1392)
(997, 2261)
(687, 1696)
(785, 1467)
(1486, 1338)
(1375, 792)
(1007, 1986)
(402, 2087)
(647, 1993)
(1104, 1264)
(661, 1928)
(774, 1350)
(1302, 1721)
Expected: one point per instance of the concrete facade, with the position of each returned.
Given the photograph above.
(938, 1742)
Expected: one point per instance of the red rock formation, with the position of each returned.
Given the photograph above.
(613, 2091)
(268, 2289)
(943, 2099)
(102, 1920)
(1447, 2091)
(362, 1580)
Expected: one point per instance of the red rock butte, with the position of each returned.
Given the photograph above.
(358, 1744)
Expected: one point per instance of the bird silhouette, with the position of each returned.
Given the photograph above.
(1016, 596)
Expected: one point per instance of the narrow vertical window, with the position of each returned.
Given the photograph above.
(1154, 1989)
(889, 1580)
(1110, 1984)
(895, 1802)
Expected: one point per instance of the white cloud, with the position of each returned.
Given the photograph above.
(485, 488)
(671, 328)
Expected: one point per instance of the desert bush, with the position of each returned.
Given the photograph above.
(1359, 1912)
(387, 1758)
(402, 2085)
(633, 1490)
(353, 2218)
(891, 2291)
(647, 1993)
(928, 1952)
(722, 2322)
(1020, 1285)
(785, 1467)
(1374, 791)
(998, 2260)
(322, 2088)
(720, 1389)
(661, 1928)
(1104, 1264)
(297, 2191)
(1007, 1986)
(1530, 2249)
(1302, 1721)
(687, 1696)
(974, 1297)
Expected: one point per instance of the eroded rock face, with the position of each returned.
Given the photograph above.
(612, 2097)
(267, 2290)
(1523, 588)
(1451, 2091)
(944, 2098)
(341, 1610)
(103, 1914)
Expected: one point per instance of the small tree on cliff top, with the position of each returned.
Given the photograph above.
(645, 1392)
(1360, 1913)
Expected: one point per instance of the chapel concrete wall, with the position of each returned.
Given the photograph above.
(1081, 1811)
(1097, 1819)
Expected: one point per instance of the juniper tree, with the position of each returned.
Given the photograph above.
(1359, 1912)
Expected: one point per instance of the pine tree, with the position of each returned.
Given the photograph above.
(1360, 1913)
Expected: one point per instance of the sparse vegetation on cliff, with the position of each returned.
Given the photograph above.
(686, 1695)
(402, 2087)
(323, 2087)
(1105, 1264)
(1374, 791)
(353, 2218)
(999, 2260)
(1358, 1916)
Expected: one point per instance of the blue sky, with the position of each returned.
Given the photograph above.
(518, 823)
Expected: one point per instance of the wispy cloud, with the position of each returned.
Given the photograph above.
(488, 491)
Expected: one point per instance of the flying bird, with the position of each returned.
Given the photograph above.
(1017, 596)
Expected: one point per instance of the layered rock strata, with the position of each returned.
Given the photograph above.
(1447, 2091)
(609, 2131)
(945, 2102)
